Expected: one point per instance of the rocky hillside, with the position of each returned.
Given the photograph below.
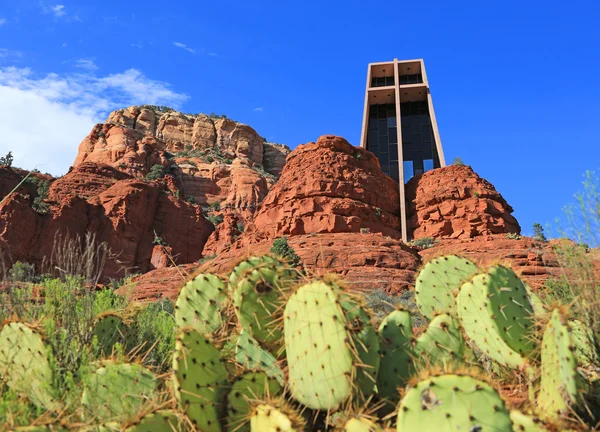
(161, 188)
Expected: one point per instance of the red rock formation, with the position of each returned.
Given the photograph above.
(160, 283)
(454, 202)
(126, 214)
(216, 160)
(86, 181)
(328, 187)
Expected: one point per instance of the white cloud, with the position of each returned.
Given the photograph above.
(9, 53)
(58, 10)
(138, 45)
(259, 109)
(44, 118)
(64, 45)
(86, 64)
(185, 47)
(2, 21)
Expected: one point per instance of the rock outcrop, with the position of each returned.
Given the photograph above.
(127, 214)
(213, 160)
(454, 202)
(329, 186)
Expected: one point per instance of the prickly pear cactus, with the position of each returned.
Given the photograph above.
(109, 328)
(559, 383)
(442, 343)
(525, 423)
(252, 356)
(438, 283)
(259, 294)
(364, 344)
(535, 301)
(395, 334)
(200, 303)
(200, 379)
(117, 391)
(248, 387)
(495, 313)
(452, 403)
(275, 417)
(320, 349)
(158, 421)
(361, 424)
(25, 364)
(583, 341)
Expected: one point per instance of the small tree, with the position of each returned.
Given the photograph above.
(538, 232)
(22, 272)
(458, 161)
(156, 172)
(7, 160)
(282, 249)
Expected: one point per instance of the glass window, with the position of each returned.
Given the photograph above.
(394, 170)
(392, 133)
(428, 164)
(384, 159)
(393, 152)
(391, 122)
(408, 170)
(383, 142)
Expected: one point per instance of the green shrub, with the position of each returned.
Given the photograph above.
(240, 227)
(284, 250)
(215, 206)
(538, 232)
(191, 200)
(215, 219)
(22, 272)
(458, 161)
(513, 236)
(42, 189)
(424, 243)
(7, 160)
(158, 241)
(156, 172)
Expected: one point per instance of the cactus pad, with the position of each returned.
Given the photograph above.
(361, 424)
(524, 423)
(200, 380)
(452, 403)
(109, 328)
(159, 421)
(252, 356)
(269, 417)
(559, 383)
(438, 283)
(259, 297)
(200, 303)
(248, 387)
(117, 391)
(442, 343)
(25, 364)
(395, 334)
(320, 360)
(364, 345)
(495, 313)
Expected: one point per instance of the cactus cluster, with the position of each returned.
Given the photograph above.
(269, 350)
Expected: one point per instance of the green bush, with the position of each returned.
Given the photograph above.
(7, 160)
(215, 219)
(513, 236)
(538, 232)
(458, 161)
(282, 249)
(156, 172)
(191, 200)
(22, 272)
(424, 243)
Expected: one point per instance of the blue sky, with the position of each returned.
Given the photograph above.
(514, 85)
